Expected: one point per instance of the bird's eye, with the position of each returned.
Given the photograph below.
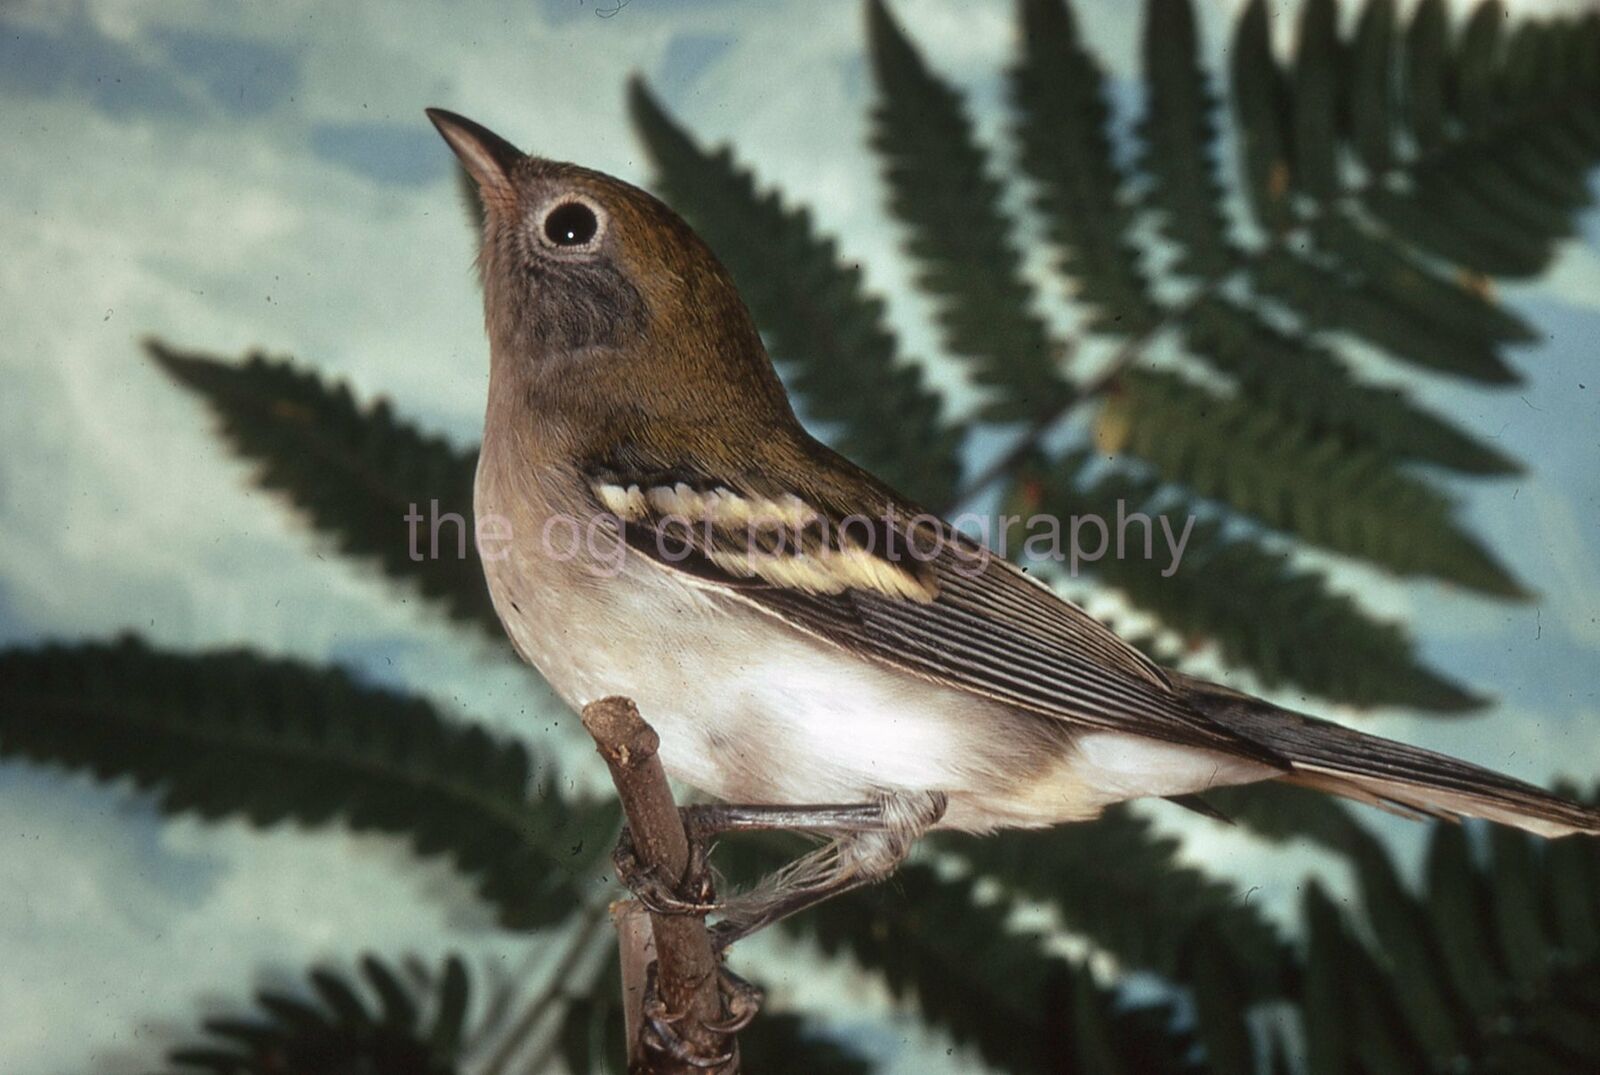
(570, 224)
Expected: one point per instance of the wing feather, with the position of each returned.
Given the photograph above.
(947, 610)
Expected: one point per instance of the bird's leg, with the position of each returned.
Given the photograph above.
(695, 893)
(862, 853)
(704, 820)
(869, 841)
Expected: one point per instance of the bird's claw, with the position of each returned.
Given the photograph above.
(740, 999)
(695, 896)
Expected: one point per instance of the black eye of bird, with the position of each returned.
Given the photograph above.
(571, 224)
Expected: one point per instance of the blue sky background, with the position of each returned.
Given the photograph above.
(231, 177)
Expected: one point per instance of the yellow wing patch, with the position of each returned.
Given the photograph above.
(781, 540)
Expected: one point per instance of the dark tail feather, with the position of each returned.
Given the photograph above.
(1381, 772)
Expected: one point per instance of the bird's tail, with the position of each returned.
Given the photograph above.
(1381, 772)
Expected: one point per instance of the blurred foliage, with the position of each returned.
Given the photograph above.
(350, 470)
(233, 734)
(1388, 170)
(412, 1029)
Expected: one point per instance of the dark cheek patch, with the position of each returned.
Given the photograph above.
(583, 305)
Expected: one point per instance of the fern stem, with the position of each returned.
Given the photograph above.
(1127, 353)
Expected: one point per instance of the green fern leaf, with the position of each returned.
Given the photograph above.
(824, 331)
(1348, 282)
(1468, 323)
(354, 472)
(1305, 383)
(941, 189)
(1369, 113)
(1264, 614)
(1349, 501)
(1427, 47)
(341, 1031)
(1496, 197)
(1120, 884)
(1261, 108)
(1458, 909)
(1350, 1005)
(1329, 301)
(918, 935)
(1316, 73)
(1280, 813)
(786, 1044)
(233, 734)
(1474, 976)
(919, 932)
(1399, 925)
(1476, 60)
(1218, 985)
(1058, 93)
(1178, 132)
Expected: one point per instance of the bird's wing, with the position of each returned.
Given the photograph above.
(905, 589)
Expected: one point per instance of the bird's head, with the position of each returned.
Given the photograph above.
(598, 298)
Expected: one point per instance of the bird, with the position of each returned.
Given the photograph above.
(815, 650)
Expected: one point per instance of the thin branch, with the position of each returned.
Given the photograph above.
(687, 969)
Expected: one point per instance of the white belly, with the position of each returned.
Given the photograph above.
(747, 709)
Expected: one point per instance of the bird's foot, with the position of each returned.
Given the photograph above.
(695, 895)
(741, 1001)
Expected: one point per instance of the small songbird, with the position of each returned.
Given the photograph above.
(810, 645)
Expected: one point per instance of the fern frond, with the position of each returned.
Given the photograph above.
(1280, 813)
(1348, 1002)
(1281, 622)
(1329, 300)
(1427, 46)
(822, 327)
(1474, 974)
(392, 1025)
(1477, 57)
(1455, 313)
(1316, 106)
(919, 932)
(1369, 117)
(918, 935)
(1058, 93)
(1305, 383)
(1347, 279)
(941, 189)
(1262, 111)
(1504, 143)
(353, 471)
(1179, 132)
(1121, 885)
(1345, 500)
(234, 734)
(784, 1043)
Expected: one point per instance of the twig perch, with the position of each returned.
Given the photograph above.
(686, 965)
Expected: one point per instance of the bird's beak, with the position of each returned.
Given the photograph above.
(486, 156)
